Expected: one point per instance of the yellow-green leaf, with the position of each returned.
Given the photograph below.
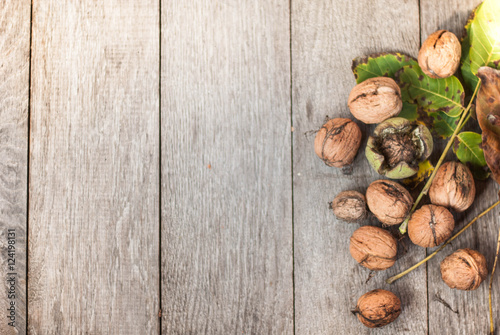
(432, 95)
(425, 169)
(380, 65)
(468, 149)
(484, 36)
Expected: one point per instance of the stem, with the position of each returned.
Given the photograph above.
(492, 326)
(464, 118)
(402, 274)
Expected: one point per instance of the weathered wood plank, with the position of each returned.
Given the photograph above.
(94, 168)
(226, 180)
(468, 311)
(14, 95)
(326, 36)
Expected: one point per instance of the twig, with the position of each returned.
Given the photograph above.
(402, 274)
(424, 191)
(492, 326)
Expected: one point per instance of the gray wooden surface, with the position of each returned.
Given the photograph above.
(94, 168)
(14, 96)
(173, 186)
(226, 153)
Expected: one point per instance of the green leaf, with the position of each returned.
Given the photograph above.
(409, 111)
(469, 77)
(468, 149)
(484, 36)
(432, 95)
(443, 125)
(380, 65)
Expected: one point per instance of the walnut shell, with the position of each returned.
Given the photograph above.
(453, 187)
(439, 56)
(430, 226)
(349, 206)
(337, 142)
(378, 308)
(388, 201)
(465, 269)
(373, 247)
(375, 100)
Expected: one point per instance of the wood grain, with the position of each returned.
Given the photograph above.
(327, 35)
(453, 311)
(94, 168)
(14, 94)
(226, 160)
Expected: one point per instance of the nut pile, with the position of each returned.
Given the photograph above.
(395, 150)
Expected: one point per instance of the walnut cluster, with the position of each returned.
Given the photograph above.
(378, 308)
(453, 187)
(375, 100)
(465, 269)
(337, 142)
(349, 206)
(439, 56)
(430, 226)
(373, 247)
(388, 201)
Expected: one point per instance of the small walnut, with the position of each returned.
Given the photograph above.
(388, 201)
(453, 187)
(378, 308)
(430, 226)
(349, 206)
(375, 100)
(465, 269)
(337, 142)
(439, 56)
(373, 247)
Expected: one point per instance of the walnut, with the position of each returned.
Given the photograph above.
(430, 226)
(373, 247)
(375, 100)
(465, 269)
(388, 201)
(397, 147)
(439, 56)
(453, 187)
(377, 308)
(337, 142)
(349, 206)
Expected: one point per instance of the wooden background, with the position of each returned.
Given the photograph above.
(157, 165)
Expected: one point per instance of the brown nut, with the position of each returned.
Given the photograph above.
(388, 201)
(453, 187)
(440, 54)
(349, 206)
(375, 100)
(378, 308)
(464, 269)
(430, 226)
(337, 142)
(373, 247)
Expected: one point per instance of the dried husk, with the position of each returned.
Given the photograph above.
(430, 226)
(488, 116)
(465, 269)
(337, 142)
(397, 147)
(378, 308)
(453, 187)
(388, 201)
(375, 100)
(373, 247)
(439, 56)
